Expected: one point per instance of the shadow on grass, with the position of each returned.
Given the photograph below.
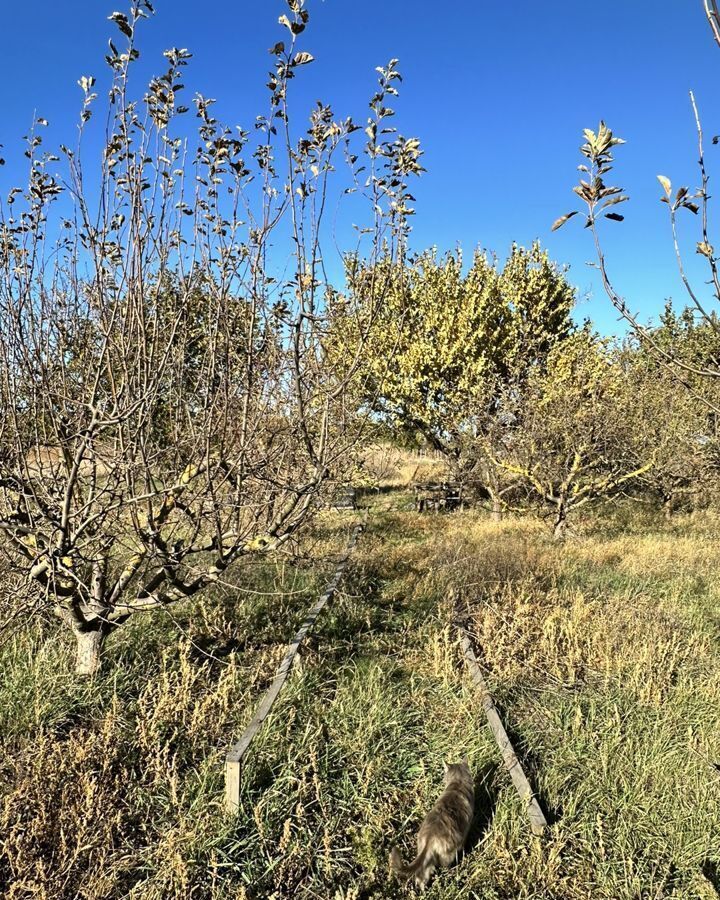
(367, 491)
(208, 647)
(531, 765)
(486, 795)
(711, 872)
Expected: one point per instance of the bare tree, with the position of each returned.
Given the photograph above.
(166, 402)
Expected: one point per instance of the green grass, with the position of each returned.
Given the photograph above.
(601, 654)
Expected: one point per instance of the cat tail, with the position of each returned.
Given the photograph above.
(396, 864)
(413, 870)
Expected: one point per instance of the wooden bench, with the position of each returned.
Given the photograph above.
(344, 497)
(443, 496)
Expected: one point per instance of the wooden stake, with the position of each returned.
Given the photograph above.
(538, 822)
(234, 758)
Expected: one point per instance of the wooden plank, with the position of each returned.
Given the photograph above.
(538, 822)
(235, 756)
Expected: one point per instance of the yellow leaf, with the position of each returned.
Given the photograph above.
(258, 543)
(665, 182)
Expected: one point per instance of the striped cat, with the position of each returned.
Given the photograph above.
(444, 829)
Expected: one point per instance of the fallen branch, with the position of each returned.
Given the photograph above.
(234, 758)
(538, 822)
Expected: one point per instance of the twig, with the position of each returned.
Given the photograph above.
(713, 14)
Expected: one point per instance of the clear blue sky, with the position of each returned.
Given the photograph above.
(498, 93)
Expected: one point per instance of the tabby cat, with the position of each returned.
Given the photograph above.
(444, 829)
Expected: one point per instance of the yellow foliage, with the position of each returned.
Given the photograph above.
(258, 543)
(440, 339)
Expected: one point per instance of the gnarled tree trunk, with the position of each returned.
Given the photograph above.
(560, 523)
(89, 646)
(90, 631)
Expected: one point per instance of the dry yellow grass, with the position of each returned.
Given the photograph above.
(601, 655)
(383, 465)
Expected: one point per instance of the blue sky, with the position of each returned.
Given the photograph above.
(498, 93)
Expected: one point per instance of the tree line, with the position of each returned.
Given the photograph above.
(182, 382)
(529, 407)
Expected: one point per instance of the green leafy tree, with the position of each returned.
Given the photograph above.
(446, 341)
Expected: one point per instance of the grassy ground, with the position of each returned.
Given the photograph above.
(602, 656)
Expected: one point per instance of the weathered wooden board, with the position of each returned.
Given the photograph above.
(538, 822)
(234, 758)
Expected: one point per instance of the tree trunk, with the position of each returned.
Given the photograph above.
(496, 509)
(560, 524)
(89, 648)
(667, 506)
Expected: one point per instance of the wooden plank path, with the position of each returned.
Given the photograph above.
(235, 756)
(538, 822)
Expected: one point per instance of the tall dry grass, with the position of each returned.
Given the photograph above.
(601, 655)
